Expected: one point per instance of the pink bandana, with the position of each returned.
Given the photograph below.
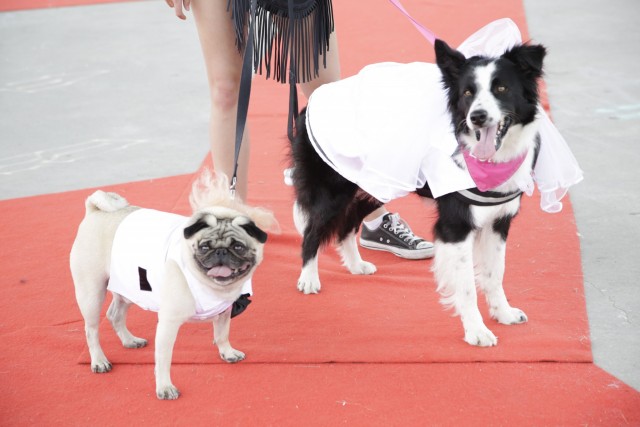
(489, 175)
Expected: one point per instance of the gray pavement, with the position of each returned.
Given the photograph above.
(79, 109)
(86, 93)
(593, 78)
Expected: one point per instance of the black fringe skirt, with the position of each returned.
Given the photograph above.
(281, 40)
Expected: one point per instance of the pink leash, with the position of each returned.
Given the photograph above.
(427, 33)
(486, 175)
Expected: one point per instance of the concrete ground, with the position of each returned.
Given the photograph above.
(593, 78)
(78, 110)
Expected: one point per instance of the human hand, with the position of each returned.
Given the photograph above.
(178, 5)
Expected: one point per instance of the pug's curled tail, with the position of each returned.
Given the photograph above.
(105, 202)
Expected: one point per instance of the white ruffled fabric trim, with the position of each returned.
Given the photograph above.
(387, 129)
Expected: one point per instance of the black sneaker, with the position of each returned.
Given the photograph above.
(395, 236)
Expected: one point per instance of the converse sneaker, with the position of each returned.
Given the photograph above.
(395, 236)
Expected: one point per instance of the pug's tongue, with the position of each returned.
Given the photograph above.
(220, 271)
(485, 148)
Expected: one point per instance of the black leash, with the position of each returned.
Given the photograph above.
(293, 91)
(245, 87)
(244, 95)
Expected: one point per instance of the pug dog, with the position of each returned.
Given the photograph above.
(196, 268)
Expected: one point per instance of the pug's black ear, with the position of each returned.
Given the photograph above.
(252, 230)
(192, 229)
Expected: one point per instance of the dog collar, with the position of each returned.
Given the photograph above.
(473, 196)
(489, 175)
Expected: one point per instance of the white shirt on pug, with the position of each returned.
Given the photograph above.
(143, 242)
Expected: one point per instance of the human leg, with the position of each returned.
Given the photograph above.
(223, 64)
(328, 74)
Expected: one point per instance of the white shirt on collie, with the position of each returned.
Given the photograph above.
(388, 130)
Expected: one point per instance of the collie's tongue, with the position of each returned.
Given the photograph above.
(486, 146)
(220, 271)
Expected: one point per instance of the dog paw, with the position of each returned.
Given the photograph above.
(167, 393)
(135, 343)
(232, 356)
(101, 366)
(510, 316)
(362, 267)
(308, 287)
(480, 336)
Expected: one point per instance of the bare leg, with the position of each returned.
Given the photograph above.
(377, 213)
(223, 63)
(325, 75)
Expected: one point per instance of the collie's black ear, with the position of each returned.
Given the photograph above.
(195, 226)
(254, 231)
(449, 60)
(528, 58)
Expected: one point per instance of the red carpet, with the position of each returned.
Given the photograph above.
(375, 350)
(9, 5)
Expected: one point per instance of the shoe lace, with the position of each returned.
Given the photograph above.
(402, 230)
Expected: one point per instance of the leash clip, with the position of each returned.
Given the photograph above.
(232, 187)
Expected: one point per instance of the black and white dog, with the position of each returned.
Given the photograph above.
(492, 104)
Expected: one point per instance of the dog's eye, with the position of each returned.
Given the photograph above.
(239, 247)
(501, 88)
(203, 248)
(468, 93)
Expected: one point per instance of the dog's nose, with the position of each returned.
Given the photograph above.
(220, 252)
(478, 117)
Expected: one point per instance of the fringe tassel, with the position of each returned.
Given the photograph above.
(273, 40)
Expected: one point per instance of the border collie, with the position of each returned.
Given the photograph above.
(492, 103)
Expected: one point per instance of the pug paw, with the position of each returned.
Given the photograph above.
(168, 392)
(232, 356)
(101, 366)
(135, 342)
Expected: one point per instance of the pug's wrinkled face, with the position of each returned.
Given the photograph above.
(226, 245)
